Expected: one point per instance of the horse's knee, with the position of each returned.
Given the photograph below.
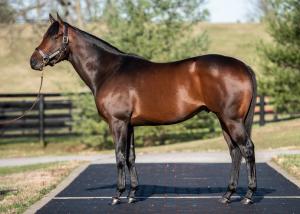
(130, 161)
(130, 164)
(247, 150)
(235, 153)
(120, 160)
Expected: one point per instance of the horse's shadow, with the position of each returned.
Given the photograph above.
(145, 191)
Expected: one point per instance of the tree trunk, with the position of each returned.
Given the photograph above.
(79, 15)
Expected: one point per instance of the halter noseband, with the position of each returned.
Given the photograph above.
(48, 57)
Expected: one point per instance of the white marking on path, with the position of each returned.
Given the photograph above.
(176, 197)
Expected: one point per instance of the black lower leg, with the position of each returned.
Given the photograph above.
(119, 129)
(121, 179)
(134, 182)
(120, 182)
(248, 153)
(234, 174)
(131, 167)
(236, 157)
(240, 137)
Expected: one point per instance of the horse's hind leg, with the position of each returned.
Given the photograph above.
(130, 161)
(248, 152)
(236, 157)
(238, 135)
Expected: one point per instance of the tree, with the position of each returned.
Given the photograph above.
(6, 12)
(158, 30)
(261, 9)
(281, 74)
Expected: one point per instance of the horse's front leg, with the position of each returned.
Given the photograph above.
(130, 160)
(120, 130)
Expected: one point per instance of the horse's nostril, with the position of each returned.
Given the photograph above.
(33, 62)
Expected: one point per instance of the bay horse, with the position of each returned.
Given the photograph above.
(131, 91)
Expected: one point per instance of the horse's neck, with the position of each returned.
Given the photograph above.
(93, 63)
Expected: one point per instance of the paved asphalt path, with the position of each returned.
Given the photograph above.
(176, 188)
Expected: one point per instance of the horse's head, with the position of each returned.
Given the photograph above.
(54, 46)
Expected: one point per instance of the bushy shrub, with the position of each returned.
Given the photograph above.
(281, 74)
(91, 129)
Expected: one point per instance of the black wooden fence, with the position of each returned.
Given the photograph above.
(265, 112)
(52, 116)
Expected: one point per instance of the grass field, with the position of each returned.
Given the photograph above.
(272, 136)
(238, 40)
(290, 163)
(22, 186)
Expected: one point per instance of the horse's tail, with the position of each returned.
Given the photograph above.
(250, 114)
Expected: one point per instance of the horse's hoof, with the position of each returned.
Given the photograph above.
(224, 200)
(115, 201)
(131, 200)
(246, 201)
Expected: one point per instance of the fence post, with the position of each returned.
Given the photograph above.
(41, 120)
(70, 113)
(275, 118)
(262, 110)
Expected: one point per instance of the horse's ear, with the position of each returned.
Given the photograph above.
(51, 19)
(59, 19)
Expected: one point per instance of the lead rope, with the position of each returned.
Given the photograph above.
(7, 122)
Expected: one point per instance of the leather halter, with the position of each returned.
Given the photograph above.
(48, 57)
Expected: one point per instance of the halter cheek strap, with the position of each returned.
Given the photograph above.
(48, 57)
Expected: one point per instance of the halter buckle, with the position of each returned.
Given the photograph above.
(46, 59)
(65, 39)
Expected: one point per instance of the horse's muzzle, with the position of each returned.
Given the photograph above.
(35, 64)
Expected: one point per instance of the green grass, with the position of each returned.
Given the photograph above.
(290, 163)
(272, 136)
(238, 40)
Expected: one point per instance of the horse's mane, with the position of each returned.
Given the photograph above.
(97, 41)
(103, 44)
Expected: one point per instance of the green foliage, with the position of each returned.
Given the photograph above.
(281, 78)
(160, 30)
(199, 127)
(93, 131)
(6, 12)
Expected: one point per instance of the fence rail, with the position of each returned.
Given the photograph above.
(266, 113)
(52, 116)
